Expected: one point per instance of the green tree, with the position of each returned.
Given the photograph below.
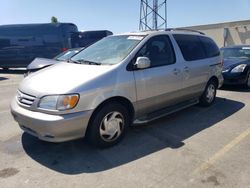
(54, 19)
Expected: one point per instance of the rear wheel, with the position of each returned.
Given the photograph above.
(108, 125)
(5, 69)
(209, 95)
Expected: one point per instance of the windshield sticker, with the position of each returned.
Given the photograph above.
(245, 48)
(135, 38)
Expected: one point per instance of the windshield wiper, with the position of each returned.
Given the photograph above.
(88, 62)
(73, 61)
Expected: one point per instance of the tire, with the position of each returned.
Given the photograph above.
(247, 85)
(5, 69)
(111, 119)
(209, 95)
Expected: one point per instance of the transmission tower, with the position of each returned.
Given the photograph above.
(153, 14)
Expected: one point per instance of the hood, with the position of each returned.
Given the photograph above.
(39, 63)
(61, 78)
(232, 62)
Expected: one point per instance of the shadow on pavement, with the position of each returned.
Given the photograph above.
(3, 78)
(77, 157)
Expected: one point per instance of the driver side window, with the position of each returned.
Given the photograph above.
(159, 50)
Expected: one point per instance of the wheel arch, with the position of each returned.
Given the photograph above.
(215, 79)
(118, 99)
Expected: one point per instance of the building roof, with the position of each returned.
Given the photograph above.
(241, 23)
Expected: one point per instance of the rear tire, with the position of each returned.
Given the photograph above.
(108, 125)
(209, 95)
(5, 69)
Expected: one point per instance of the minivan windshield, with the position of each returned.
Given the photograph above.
(108, 51)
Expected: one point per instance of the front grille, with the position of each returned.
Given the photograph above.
(25, 99)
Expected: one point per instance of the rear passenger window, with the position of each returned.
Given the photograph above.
(191, 47)
(159, 50)
(210, 47)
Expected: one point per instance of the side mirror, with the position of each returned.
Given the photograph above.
(142, 62)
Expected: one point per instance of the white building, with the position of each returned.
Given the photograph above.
(229, 33)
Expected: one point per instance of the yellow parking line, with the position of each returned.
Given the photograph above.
(222, 152)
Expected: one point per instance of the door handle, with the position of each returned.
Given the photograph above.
(186, 69)
(176, 71)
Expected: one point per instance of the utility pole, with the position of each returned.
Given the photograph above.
(153, 15)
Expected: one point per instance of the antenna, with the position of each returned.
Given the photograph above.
(153, 15)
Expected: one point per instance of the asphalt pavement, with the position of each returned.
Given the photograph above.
(196, 147)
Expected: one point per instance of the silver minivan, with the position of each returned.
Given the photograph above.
(121, 80)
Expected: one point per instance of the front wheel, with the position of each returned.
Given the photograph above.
(108, 125)
(247, 85)
(209, 95)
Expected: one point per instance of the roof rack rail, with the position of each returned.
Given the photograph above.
(182, 29)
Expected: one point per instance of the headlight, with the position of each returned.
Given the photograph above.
(59, 102)
(239, 68)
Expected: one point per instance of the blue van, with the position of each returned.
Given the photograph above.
(20, 44)
(86, 38)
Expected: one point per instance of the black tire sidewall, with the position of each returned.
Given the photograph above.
(246, 85)
(93, 133)
(5, 69)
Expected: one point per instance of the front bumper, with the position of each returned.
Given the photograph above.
(52, 128)
(235, 78)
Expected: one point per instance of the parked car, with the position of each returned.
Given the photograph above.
(236, 69)
(40, 63)
(119, 80)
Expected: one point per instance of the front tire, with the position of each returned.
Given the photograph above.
(209, 95)
(108, 125)
(247, 85)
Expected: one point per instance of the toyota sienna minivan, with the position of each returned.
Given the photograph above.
(121, 80)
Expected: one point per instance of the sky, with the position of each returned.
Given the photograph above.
(120, 15)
